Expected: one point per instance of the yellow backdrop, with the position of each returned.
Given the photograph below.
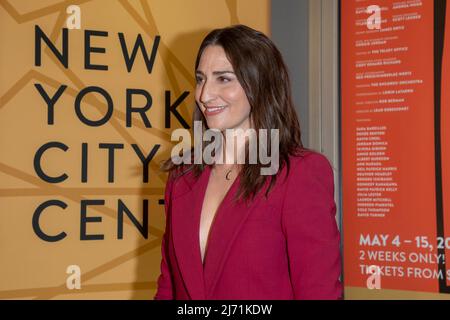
(111, 268)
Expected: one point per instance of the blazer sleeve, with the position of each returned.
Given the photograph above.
(310, 228)
(165, 286)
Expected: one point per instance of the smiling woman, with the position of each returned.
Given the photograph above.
(232, 232)
(219, 94)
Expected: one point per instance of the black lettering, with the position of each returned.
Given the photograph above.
(50, 101)
(88, 49)
(84, 219)
(111, 147)
(141, 110)
(37, 215)
(139, 44)
(63, 57)
(109, 102)
(37, 162)
(145, 159)
(172, 108)
(143, 229)
(84, 162)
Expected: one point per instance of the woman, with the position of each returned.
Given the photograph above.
(232, 233)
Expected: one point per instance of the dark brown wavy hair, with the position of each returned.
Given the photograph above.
(261, 71)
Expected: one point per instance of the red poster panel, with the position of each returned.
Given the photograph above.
(395, 144)
(445, 143)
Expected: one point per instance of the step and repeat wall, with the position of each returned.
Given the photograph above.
(395, 107)
(90, 93)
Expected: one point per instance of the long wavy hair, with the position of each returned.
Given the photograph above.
(261, 71)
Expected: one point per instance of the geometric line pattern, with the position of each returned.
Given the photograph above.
(171, 63)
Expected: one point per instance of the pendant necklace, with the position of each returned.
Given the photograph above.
(228, 173)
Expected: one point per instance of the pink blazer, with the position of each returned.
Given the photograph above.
(285, 246)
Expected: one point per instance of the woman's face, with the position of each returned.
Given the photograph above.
(219, 94)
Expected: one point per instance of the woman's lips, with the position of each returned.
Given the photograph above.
(211, 111)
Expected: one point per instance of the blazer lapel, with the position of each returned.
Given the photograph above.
(186, 209)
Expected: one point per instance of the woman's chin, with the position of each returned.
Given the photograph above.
(216, 126)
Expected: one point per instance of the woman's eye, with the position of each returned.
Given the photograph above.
(198, 79)
(224, 79)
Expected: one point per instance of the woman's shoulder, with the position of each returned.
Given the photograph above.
(181, 179)
(308, 157)
(310, 173)
(304, 166)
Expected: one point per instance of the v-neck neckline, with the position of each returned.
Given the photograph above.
(220, 208)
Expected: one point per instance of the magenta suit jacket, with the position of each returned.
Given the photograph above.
(285, 246)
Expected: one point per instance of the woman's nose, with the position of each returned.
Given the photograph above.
(208, 92)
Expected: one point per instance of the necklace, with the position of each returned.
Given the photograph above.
(228, 172)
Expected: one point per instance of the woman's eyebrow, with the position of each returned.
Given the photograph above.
(215, 72)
